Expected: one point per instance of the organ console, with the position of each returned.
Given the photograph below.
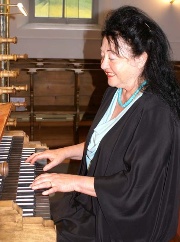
(24, 213)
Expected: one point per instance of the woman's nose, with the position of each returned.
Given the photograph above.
(104, 63)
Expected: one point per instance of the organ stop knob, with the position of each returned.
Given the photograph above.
(4, 169)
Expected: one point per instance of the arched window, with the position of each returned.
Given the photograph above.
(63, 11)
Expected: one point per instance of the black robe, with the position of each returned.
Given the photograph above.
(136, 169)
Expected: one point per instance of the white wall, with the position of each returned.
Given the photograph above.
(73, 41)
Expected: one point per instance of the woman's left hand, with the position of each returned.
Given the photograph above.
(55, 183)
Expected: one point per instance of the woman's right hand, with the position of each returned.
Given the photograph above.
(54, 156)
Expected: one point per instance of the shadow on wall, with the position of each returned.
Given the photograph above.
(99, 79)
(99, 83)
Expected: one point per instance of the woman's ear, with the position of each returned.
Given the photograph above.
(141, 60)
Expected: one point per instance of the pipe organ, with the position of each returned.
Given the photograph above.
(24, 213)
(5, 56)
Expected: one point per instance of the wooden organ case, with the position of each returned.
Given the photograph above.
(30, 220)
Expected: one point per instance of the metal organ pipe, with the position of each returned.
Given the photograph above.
(5, 56)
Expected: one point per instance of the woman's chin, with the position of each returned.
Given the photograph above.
(111, 83)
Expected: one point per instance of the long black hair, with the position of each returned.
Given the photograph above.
(143, 34)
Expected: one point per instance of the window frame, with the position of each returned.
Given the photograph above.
(93, 20)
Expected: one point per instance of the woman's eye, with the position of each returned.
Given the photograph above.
(112, 56)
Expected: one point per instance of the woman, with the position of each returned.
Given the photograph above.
(127, 189)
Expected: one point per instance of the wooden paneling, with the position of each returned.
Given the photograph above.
(62, 93)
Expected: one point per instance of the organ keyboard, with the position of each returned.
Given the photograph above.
(16, 185)
(24, 213)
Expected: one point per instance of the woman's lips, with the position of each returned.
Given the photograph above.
(109, 74)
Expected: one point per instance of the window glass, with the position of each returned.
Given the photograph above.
(84, 11)
(78, 9)
(48, 8)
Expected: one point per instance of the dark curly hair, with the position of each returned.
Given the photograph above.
(143, 34)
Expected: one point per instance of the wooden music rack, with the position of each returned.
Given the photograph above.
(5, 109)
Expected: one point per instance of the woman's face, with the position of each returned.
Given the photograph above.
(122, 69)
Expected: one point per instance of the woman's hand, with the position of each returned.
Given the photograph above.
(55, 157)
(64, 183)
(55, 182)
